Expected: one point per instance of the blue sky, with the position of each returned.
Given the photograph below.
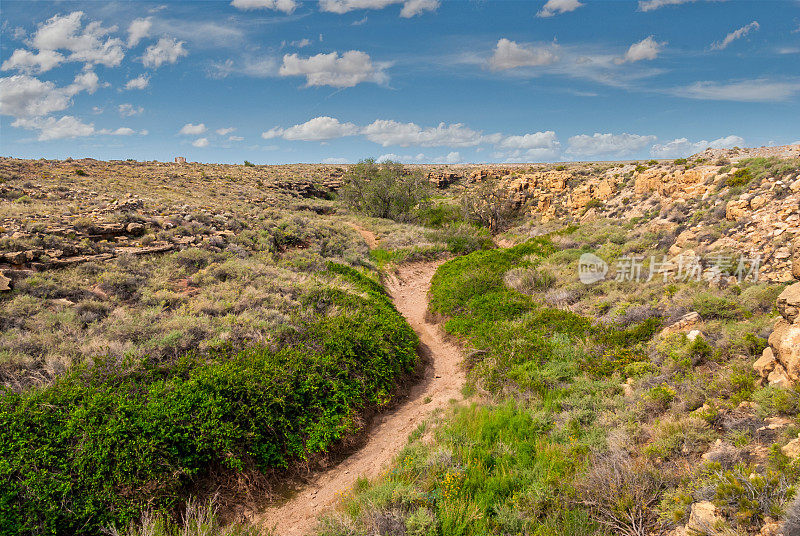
(281, 81)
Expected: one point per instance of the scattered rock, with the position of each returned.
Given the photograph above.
(792, 448)
(682, 324)
(789, 303)
(702, 519)
(5, 282)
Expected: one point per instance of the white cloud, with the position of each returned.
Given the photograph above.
(51, 128)
(25, 96)
(138, 30)
(509, 55)
(410, 7)
(286, 6)
(607, 144)
(453, 157)
(336, 160)
(301, 43)
(683, 147)
(650, 5)
(734, 35)
(192, 130)
(554, 7)
(235, 138)
(225, 131)
(129, 110)
(29, 62)
(140, 82)
(200, 142)
(275, 132)
(123, 131)
(89, 45)
(529, 147)
(755, 90)
(167, 50)
(352, 68)
(86, 81)
(646, 49)
(387, 132)
(317, 129)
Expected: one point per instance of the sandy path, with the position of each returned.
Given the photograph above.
(442, 382)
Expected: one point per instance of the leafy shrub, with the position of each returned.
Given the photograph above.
(247, 163)
(711, 306)
(748, 495)
(680, 161)
(80, 173)
(385, 190)
(105, 440)
(740, 177)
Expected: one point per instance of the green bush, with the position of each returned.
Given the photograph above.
(385, 190)
(106, 440)
(740, 177)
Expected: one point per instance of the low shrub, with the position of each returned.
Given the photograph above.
(106, 440)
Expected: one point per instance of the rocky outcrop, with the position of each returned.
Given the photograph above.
(780, 363)
(703, 519)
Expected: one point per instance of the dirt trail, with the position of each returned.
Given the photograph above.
(442, 382)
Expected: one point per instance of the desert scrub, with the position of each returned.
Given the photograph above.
(142, 434)
(490, 470)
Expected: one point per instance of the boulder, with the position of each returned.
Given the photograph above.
(792, 448)
(135, 229)
(702, 519)
(736, 210)
(766, 363)
(785, 344)
(682, 324)
(789, 303)
(5, 282)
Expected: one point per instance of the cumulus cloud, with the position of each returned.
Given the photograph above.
(26, 96)
(755, 90)
(88, 44)
(734, 35)
(225, 131)
(317, 129)
(555, 7)
(683, 147)
(30, 62)
(200, 142)
(509, 55)
(138, 30)
(286, 6)
(140, 82)
(166, 50)
(351, 68)
(129, 110)
(529, 147)
(51, 128)
(410, 8)
(607, 144)
(192, 130)
(646, 49)
(387, 132)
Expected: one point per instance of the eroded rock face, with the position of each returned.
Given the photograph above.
(780, 363)
(785, 343)
(789, 303)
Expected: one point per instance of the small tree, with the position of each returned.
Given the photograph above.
(384, 190)
(489, 206)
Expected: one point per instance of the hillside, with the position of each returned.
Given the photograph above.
(172, 332)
